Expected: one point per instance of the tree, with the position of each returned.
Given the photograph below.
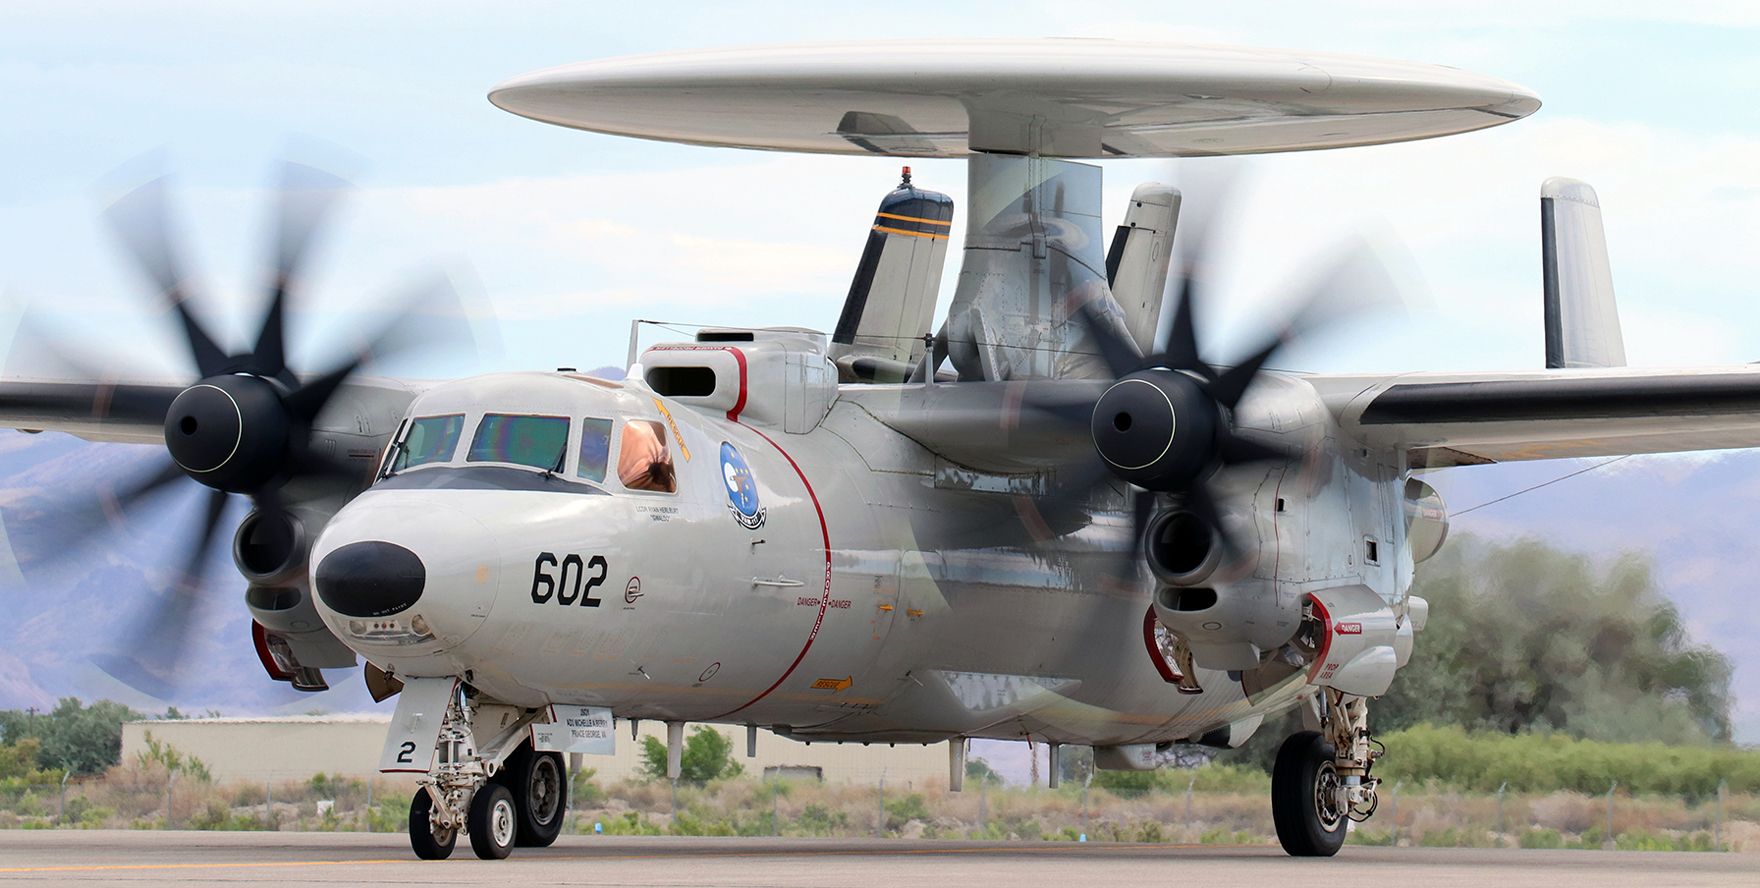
(1525, 637)
(73, 737)
(707, 755)
(979, 771)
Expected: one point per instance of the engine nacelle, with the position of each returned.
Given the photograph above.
(1426, 519)
(270, 551)
(1228, 625)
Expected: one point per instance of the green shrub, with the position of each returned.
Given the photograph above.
(903, 810)
(582, 791)
(1482, 761)
(1363, 836)
(1541, 837)
(817, 820)
(630, 824)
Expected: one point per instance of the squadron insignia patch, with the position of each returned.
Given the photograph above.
(742, 488)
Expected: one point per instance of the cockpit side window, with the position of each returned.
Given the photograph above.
(595, 449)
(537, 441)
(430, 439)
(644, 462)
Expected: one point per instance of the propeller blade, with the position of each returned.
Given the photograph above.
(156, 646)
(1116, 348)
(1182, 339)
(153, 649)
(1074, 411)
(26, 401)
(430, 317)
(85, 522)
(1231, 385)
(311, 464)
(307, 196)
(1142, 509)
(1203, 504)
(307, 401)
(141, 222)
(1236, 449)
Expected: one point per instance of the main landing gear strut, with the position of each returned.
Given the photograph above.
(1321, 778)
(501, 793)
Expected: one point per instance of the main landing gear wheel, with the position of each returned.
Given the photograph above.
(493, 823)
(1306, 802)
(430, 841)
(539, 783)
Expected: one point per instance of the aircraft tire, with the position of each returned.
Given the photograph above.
(493, 823)
(1300, 781)
(539, 783)
(422, 837)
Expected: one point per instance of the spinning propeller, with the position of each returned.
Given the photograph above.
(244, 426)
(1166, 423)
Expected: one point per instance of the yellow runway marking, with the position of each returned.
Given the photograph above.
(109, 867)
(655, 855)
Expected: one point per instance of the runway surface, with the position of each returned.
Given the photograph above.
(72, 857)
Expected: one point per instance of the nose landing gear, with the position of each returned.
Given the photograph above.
(1321, 778)
(497, 790)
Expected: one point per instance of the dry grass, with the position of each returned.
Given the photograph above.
(136, 797)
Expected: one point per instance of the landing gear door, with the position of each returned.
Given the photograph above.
(415, 726)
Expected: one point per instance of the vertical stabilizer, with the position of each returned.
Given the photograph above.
(1033, 278)
(1136, 263)
(1582, 321)
(891, 300)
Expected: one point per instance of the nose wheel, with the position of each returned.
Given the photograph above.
(429, 839)
(494, 822)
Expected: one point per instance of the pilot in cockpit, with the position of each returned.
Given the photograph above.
(644, 462)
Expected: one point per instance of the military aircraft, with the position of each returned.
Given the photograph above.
(1049, 516)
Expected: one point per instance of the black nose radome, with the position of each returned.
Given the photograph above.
(370, 579)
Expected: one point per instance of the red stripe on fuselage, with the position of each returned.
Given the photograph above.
(825, 593)
(739, 405)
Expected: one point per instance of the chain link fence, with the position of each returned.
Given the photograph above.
(1231, 811)
(126, 799)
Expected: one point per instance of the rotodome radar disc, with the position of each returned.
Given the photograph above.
(1055, 97)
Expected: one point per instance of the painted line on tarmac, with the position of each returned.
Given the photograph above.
(112, 867)
(655, 855)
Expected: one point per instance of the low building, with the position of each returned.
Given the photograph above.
(298, 747)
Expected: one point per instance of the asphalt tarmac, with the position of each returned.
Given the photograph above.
(72, 857)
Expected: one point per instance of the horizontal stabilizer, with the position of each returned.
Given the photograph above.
(1582, 321)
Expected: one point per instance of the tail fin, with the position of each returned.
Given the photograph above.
(1582, 321)
(891, 301)
(1136, 264)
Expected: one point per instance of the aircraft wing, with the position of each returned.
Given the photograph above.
(103, 411)
(1451, 419)
(134, 412)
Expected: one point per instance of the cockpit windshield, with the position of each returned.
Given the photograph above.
(634, 454)
(595, 449)
(537, 441)
(430, 439)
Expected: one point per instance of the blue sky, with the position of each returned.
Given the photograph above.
(567, 235)
(564, 236)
